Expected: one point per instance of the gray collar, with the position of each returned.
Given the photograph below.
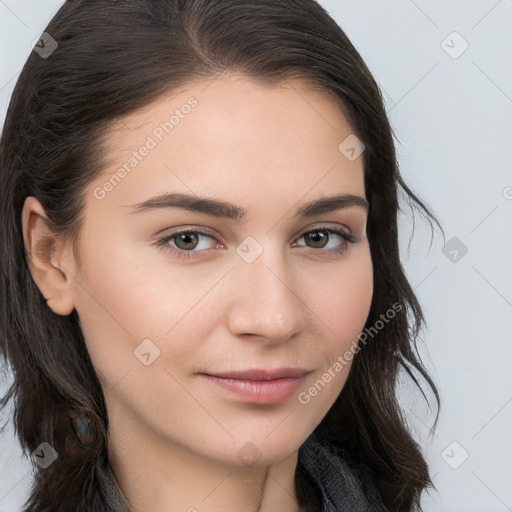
(343, 486)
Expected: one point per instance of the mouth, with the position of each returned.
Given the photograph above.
(259, 385)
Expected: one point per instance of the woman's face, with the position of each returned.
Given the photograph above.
(160, 312)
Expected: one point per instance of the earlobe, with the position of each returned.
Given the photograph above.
(45, 255)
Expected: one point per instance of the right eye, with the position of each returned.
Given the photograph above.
(183, 242)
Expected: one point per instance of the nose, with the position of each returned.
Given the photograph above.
(265, 302)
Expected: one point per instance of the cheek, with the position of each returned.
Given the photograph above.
(343, 309)
(346, 301)
(125, 297)
(135, 290)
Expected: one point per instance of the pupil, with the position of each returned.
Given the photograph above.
(317, 237)
(185, 238)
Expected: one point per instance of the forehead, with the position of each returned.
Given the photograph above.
(232, 133)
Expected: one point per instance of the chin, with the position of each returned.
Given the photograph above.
(259, 451)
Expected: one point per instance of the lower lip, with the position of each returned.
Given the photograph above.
(261, 391)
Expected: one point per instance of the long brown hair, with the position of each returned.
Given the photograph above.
(112, 58)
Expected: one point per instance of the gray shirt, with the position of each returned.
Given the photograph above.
(340, 487)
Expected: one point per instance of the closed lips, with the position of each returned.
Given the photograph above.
(259, 374)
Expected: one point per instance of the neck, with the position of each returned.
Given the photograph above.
(158, 474)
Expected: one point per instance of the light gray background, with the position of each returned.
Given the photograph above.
(452, 115)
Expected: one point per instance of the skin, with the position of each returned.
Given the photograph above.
(175, 439)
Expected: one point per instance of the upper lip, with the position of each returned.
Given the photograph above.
(262, 374)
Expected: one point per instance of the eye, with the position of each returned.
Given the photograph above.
(321, 236)
(183, 243)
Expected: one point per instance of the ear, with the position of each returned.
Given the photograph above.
(46, 256)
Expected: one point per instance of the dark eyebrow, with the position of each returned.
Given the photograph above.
(237, 214)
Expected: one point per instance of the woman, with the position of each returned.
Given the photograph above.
(203, 301)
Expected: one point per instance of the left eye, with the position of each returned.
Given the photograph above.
(184, 242)
(187, 240)
(313, 236)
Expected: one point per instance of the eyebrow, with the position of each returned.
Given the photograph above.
(218, 208)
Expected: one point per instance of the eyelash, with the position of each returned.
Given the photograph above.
(181, 253)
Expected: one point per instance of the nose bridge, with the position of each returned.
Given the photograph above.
(265, 302)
